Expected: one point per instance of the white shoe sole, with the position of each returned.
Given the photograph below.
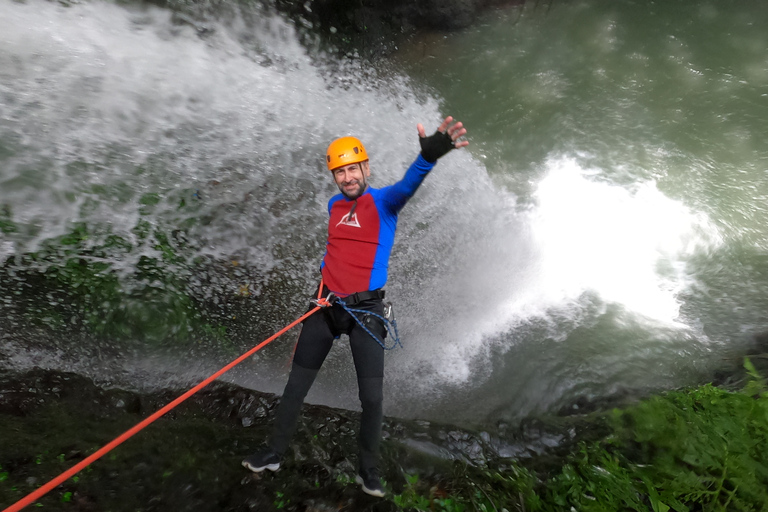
(271, 467)
(372, 492)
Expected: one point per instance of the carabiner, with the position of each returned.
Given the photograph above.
(389, 312)
(326, 302)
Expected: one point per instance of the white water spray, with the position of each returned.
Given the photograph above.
(626, 247)
(103, 104)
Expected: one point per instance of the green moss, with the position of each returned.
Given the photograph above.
(694, 449)
(6, 220)
(149, 304)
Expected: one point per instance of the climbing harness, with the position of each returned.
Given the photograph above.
(389, 323)
(388, 319)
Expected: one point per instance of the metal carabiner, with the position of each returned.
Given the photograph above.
(389, 311)
(324, 303)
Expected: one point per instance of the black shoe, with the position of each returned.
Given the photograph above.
(371, 482)
(259, 461)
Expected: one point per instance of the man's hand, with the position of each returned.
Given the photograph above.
(442, 141)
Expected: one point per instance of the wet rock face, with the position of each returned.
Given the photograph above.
(372, 28)
(393, 14)
(190, 458)
(446, 14)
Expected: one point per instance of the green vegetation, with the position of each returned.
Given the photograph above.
(698, 449)
(148, 301)
(155, 307)
(280, 500)
(6, 224)
(470, 489)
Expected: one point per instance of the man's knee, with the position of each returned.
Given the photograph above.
(371, 391)
(299, 381)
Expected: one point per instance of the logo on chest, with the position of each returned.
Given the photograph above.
(349, 220)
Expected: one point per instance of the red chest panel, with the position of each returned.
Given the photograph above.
(352, 245)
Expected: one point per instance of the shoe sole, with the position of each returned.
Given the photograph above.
(371, 492)
(271, 467)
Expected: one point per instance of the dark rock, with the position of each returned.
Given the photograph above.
(190, 458)
(374, 27)
(447, 14)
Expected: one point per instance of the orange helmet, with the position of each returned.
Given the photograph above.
(345, 151)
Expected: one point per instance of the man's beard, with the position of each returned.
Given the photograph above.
(361, 186)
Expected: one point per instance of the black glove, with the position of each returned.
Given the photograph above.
(435, 146)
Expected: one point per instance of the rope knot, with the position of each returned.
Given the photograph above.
(325, 302)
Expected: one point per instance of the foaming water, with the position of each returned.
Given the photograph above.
(584, 248)
(107, 105)
(626, 245)
(594, 258)
(117, 116)
(634, 254)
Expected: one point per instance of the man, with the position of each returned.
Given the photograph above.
(361, 232)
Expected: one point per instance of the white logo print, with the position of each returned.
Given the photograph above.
(349, 220)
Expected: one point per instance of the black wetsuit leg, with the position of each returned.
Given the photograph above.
(315, 341)
(369, 365)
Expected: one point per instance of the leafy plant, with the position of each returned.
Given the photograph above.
(699, 449)
(410, 498)
(280, 500)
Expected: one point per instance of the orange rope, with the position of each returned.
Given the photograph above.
(320, 301)
(45, 489)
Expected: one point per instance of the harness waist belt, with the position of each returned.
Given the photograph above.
(361, 296)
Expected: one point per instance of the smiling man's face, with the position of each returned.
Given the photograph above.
(351, 179)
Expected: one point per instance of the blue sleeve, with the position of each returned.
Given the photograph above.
(395, 196)
(330, 203)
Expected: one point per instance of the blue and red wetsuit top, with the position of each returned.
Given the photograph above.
(359, 245)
